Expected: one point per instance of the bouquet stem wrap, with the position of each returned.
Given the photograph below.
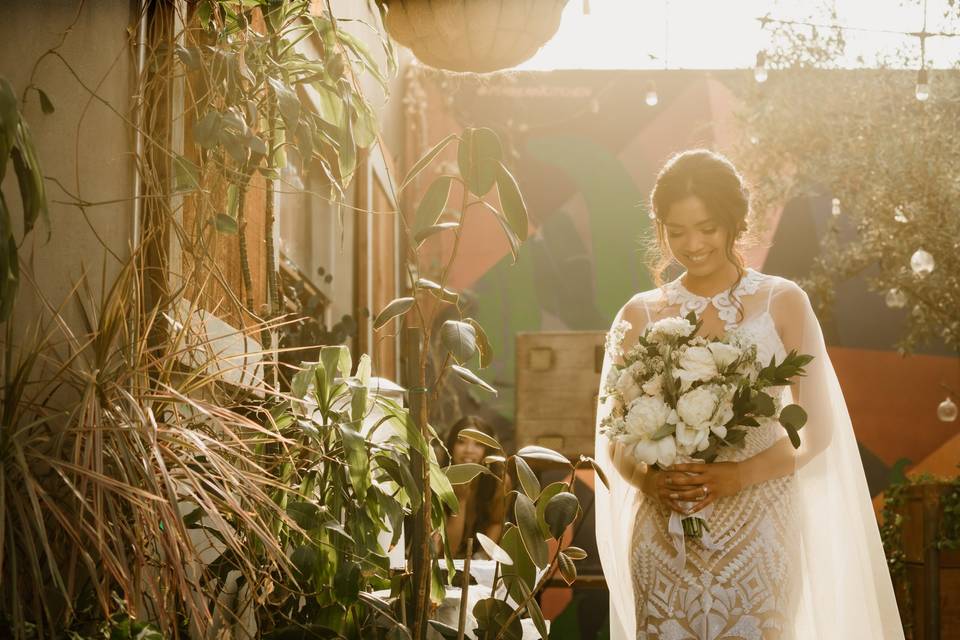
(694, 526)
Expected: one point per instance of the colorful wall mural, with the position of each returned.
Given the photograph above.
(585, 147)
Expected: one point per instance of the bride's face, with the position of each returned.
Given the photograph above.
(695, 238)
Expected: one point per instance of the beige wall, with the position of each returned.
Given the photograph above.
(84, 145)
(87, 146)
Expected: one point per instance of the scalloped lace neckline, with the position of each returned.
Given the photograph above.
(724, 302)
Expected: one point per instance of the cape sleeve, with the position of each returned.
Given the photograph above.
(847, 591)
(616, 503)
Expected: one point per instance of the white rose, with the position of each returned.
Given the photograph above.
(662, 451)
(723, 354)
(697, 407)
(654, 386)
(646, 415)
(696, 364)
(670, 328)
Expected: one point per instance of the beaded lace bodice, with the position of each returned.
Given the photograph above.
(744, 587)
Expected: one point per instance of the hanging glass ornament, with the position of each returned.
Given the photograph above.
(896, 299)
(923, 86)
(652, 98)
(947, 410)
(760, 70)
(922, 263)
(835, 207)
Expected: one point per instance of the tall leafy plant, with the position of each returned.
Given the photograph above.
(16, 145)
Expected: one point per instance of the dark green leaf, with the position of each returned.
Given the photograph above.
(225, 224)
(459, 338)
(396, 307)
(469, 376)
(288, 102)
(600, 473)
(511, 200)
(567, 568)
(494, 550)
(425, 160)
(9, 123)
(528, 479)
(446, 631)
(548, 492)
(45, 104)
(575, 553)
(793, 415)
(358, 461)
(187, 174)
(483, 344)
(522, 570)
(526, 514)
(478, 157)
(206, 132)
(433, 229)
(534, 452)
(481, 437)
(433, 204)
(561, 511)
(492, 615)
(464, 473)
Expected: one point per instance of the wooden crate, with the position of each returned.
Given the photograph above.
(558, 375)
(933, 576)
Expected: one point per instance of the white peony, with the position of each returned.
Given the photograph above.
(654, 386)
(697, 407)
(668, 329)
(646, 415)
(662, 451)
(723, 354)
(696, 364)
(627, 385)
(690, 439)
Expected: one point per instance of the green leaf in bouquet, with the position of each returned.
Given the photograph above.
(664, 431)
(763, 404)
(793, 415)
(528, 479)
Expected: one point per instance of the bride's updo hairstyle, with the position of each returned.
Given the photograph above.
(716, 182)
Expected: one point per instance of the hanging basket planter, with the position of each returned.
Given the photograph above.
(473, 35)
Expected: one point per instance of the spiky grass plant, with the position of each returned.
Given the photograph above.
(125, 467)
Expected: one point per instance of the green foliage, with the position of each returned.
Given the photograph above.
(862, 137)
(16, 144)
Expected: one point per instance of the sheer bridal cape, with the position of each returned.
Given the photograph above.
(844, 584)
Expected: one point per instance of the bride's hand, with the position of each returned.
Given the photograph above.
(703, 483)
(657, 486)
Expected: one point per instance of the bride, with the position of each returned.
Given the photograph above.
(793, 549)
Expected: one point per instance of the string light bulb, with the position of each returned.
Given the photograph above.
(652, 98)
(896, 298)
(900, 216)
(947, 410)
(923, 85)
(760, 69)
(835, 207)
(922, 263)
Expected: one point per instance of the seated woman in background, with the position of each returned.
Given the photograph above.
(483, 502)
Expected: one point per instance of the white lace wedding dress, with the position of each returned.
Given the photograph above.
(753, 575)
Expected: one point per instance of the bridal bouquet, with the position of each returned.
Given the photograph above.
(676, 395)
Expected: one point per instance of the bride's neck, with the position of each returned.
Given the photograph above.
(713, 283)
